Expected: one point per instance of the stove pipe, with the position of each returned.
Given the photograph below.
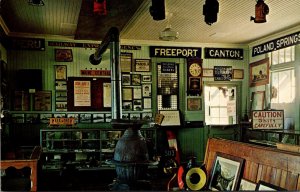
(112, 39)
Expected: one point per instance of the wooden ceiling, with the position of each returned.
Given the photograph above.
(74, 19)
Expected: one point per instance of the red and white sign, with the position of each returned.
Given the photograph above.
(271, 119)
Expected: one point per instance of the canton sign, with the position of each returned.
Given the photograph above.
(276, 44)
(175, 52)
(224, 53)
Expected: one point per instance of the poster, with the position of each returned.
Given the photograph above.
(82, 93)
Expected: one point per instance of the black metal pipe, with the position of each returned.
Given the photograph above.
(112, 39)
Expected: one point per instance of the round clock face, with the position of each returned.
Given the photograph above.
(195, 69)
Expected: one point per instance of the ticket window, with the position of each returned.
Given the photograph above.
(220, 104)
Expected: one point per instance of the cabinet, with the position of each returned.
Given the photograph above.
(83, 148)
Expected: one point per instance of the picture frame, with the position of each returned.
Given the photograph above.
(125, 116)
(108, 117)
(171, 118)
(60, 72)
(43, 101)
(147, 116)
(232, 166)
(222, 73)
(207, 72)
(135, 116)
(146, 90)
(61, 106)
(259, 73)
(146, 78)
(257, 100)
(73, 115)
(32, 118)
(238, 74)
(142, 65)
(195, 84)
(45, 118)
(63, 55)
(126, 62)
(85, 118)
(61, 96)
(137, 104)
(264, 186)
(194, 104)
(127, 105)
(126, 79)
(147, 103)
(98, 117)
(127, 94)
(247, 185)
(18, 117)
(136, 79)
(61, 85)
(137, 92)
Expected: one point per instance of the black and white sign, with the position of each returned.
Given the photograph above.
(223, 53)
(184, 52)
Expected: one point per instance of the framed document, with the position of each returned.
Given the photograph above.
(194, 104)
(127, 94)
(126, 62)
(171, 118)
(207, 72)
(63, 55)
(238, 74)
(142, 65)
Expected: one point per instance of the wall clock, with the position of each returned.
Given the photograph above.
(195, 69)
(194, 74)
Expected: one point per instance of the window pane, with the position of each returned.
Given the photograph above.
(275, 57)
(288, 56)
(281, 56)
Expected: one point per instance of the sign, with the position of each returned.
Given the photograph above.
(175, 51)
(168, 67)
(271, 119)
(82, 93)
(276, 44)
(223, 53)
(222, 73)
(95, 72)
(62, 121)
(28, 44)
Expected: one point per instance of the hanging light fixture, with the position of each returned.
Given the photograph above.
(168, 34)
(36, 2)
(261, 10)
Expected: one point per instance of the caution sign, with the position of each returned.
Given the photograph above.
(270, 119)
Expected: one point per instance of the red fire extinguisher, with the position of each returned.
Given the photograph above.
(261, 10)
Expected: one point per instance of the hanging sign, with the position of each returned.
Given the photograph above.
(271, 119)
(28, 44)
(223, 53)
(276, 44)
(175, 52)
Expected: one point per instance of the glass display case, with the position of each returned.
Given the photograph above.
(83, 148)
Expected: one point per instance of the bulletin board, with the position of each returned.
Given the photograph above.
(88, 94)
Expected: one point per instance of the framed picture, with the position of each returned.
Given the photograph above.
(127, 105)
(247, 185)
(207, 72)
(126, 79)
(136, 79)
(43, 101)
(135, 116)
(194, 104)
(60, 72)
(126, 62)
(85, 118)
(147, 116)
(146, 78)
(226, 172)
(45, 117)
(259, 73)
(32, 118)
(137, 104)
(108, 117)
(195, 84)
(264, 186)
(63, 55)
(257, 100)
(60, 85)
(238, 74)
(147, 103)
(222, 73)
(98, 117)
(59, 115)
(61, 106)
(146, 89)
(127, 94)
(18, 118)
(142, 65)
(73, 115)
(61, 96)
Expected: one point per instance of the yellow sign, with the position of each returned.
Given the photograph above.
(62, 121)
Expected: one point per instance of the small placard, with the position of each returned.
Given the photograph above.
(222, 73)
(62, 121)
(171, 118)
(271, 119)
(168, 67)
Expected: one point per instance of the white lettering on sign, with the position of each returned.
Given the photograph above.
(224, 53)
(267, 119)
(174, 52)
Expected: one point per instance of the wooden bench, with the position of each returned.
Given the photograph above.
(32, 163)
(275, 166)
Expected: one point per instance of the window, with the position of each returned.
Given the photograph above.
(220, 104)
(283, 55)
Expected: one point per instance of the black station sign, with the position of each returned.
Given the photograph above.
(175, 51)
(28, 44)
(276, 44)
(223, 53)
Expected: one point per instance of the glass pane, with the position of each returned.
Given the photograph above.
(275, 57)
(281, 56)
(288, 56)
(274, 89)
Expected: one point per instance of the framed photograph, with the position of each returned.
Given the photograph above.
(60, 85)
(147, 103)
(226, 172)
(137, 105)
(59, 115)
(43, 101)
(194, 104)
(238, 74)
(135, 116)
(259, 73)
(98, 117)
(125, 116)
(136, 79)
(247, 185)
(146, 78)
(73, 115)
(85, 118)
(126, 79)
(146, 89)
(127, 105)
(61, 106)
(264, 186)
(63, 55)
(45, 118)
(142, 65)
(108, 117)
(32, 118)
(137, 92)
(195, 84)
(61, 96)
(126, 62)
(18, 118)
(147, 116)
(257, 100)
(207, 72)
(127, 94)
(60, 72)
